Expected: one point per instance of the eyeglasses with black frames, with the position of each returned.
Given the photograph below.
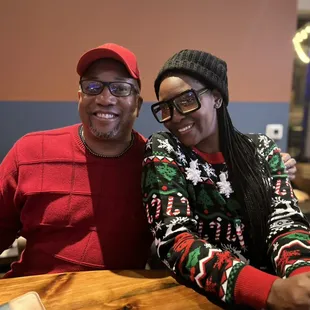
(117, 89)
(185, 103)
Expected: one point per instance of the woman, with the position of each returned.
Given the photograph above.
(219, 203)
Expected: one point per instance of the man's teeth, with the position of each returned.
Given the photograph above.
(105, 115)
(185, 128)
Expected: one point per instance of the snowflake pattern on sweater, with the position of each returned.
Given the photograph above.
(197, 224)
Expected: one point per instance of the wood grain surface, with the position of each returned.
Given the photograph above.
(106, 290)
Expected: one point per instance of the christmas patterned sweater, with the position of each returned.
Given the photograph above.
(199, 230)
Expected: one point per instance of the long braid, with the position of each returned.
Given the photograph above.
(250, 177)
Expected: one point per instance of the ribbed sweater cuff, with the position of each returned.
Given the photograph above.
(253, 287)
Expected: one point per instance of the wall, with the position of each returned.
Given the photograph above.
(43, 40)
(303, 7)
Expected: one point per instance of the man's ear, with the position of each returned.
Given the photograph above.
(79, 94)
(139, 104)
(218, 99)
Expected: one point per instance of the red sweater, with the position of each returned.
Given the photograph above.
(77, 211)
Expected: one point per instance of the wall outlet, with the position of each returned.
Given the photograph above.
(274, 131)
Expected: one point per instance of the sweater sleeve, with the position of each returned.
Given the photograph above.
(200, 264)
(288, 239)
(9, 214)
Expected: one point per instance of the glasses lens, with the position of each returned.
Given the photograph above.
(187, 102)
(162, 112)
(120, 89)
(91, 87)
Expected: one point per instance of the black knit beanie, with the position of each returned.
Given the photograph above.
(201, 65)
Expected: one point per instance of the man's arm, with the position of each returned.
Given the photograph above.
(9, 213)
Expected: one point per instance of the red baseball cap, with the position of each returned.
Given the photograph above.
(114, 51)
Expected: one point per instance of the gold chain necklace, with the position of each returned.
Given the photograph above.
(81, 134)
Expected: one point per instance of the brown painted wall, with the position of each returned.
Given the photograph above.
(41, 41)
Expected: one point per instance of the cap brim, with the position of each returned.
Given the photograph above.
(98, 53)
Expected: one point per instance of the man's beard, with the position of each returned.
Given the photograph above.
(104, 135)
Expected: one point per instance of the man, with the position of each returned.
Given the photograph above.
(74, 192)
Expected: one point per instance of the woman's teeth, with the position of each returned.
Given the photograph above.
(185, 128)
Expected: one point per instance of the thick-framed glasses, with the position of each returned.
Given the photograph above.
(117, 89)
(185, 103)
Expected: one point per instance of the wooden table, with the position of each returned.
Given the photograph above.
(122, 290)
